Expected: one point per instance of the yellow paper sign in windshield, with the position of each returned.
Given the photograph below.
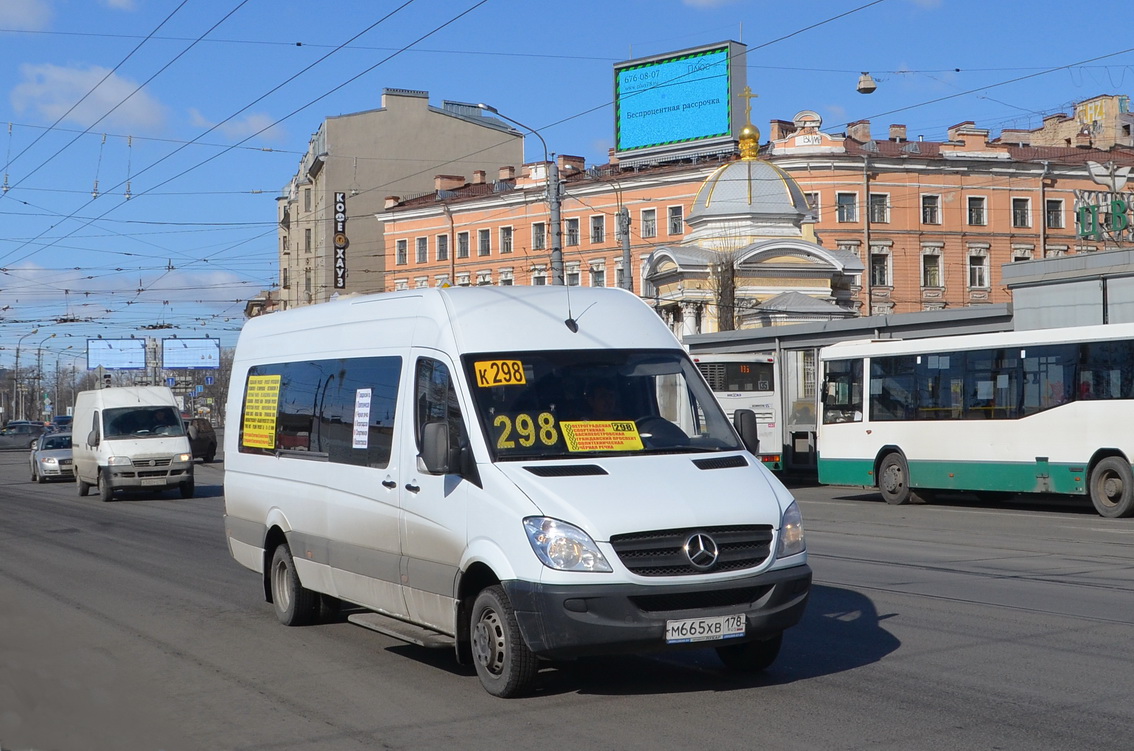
(594, 435)
(261, 405)
(491, 373)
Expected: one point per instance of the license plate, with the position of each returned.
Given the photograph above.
(704, 629)
(153, 481)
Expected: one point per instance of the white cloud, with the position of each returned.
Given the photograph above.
(25, 15)
(237, 130)
(50, 90)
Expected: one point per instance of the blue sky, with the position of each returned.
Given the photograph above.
(203, 109)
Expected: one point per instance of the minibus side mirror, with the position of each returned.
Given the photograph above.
(435, 452)
(92, 438)
(745, 422)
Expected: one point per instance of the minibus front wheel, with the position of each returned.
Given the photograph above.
(504, 664)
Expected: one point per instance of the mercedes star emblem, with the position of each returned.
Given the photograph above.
(702, 551)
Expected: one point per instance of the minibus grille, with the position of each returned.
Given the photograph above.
(724, 462)
(717, 598)
(663, 553)
(158, 462)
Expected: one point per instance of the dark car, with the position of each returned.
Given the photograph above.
(202, 438)
(20, 435)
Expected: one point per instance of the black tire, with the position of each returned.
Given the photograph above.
(37, 476)
(187, 488)
(504, 664)
(752, 656)
(210, 454)
(1112, 488)
(893, 479)
(83, 487)
(105, 489)
(295, 604)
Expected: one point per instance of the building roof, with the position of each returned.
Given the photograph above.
(749, 187)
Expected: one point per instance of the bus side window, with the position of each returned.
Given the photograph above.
(842, 391)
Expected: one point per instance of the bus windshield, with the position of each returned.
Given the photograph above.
(575, 403)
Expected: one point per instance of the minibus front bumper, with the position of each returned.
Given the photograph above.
(559, 621)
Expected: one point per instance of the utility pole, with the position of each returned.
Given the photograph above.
(624, 236)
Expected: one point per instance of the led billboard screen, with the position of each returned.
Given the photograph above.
(190, 353)
(686, 97)
(116, 354)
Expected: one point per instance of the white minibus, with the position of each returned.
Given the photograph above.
(519, 474)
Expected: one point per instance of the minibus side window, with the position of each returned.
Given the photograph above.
(435, 400)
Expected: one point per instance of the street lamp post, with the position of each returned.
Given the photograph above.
(37, 394)
(552, 197)
(16, 379)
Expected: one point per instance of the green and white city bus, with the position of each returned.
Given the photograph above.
(1044, 411)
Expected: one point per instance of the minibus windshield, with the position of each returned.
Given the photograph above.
(142, 422)
(575, 403)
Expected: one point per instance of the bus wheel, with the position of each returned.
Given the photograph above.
(1112, 488)
(893, 479)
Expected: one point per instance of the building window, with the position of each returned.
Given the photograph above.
(462, 245)
(649, 222)
(483, 278)
(307, 240)
(598, 276)
(978, 271)
(284, 245)
(441, 280)
(283, 278)
(1021, 212)
(676, 220)
(463, 279)
(400, 284)
(442, 247)
(880, 269)
(572, 277)
(977, 211)
(572, 232)
(1053, 214)
(421, 282)
(505, 239)
(813, 202)
(307, 281)
(846, 207)
(506, 277)
(620, 276)
(880, 207)
(931, 209)
(539, 277)
(483, 242)
(422, 249)
(598, 229)
(307, 199)
(402, 255)
(931, 270)
(539, 236)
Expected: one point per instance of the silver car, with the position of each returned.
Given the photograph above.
(51, 458)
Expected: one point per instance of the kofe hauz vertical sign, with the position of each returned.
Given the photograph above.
(340, 240)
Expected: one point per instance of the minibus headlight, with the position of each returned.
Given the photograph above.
(563, 546)
(184, 457)
(791, 533)
(119, 461)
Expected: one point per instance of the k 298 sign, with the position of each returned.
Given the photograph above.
(340, 241)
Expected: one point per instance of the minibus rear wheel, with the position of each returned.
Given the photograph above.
(295, 604)
(505, 665)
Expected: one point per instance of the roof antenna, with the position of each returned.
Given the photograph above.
(572, 324)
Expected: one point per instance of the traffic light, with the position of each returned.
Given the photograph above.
(106, 380)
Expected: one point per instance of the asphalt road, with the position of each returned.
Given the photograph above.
(957, 625)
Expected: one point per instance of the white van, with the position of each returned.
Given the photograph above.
(512, 472)
(130, 438)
